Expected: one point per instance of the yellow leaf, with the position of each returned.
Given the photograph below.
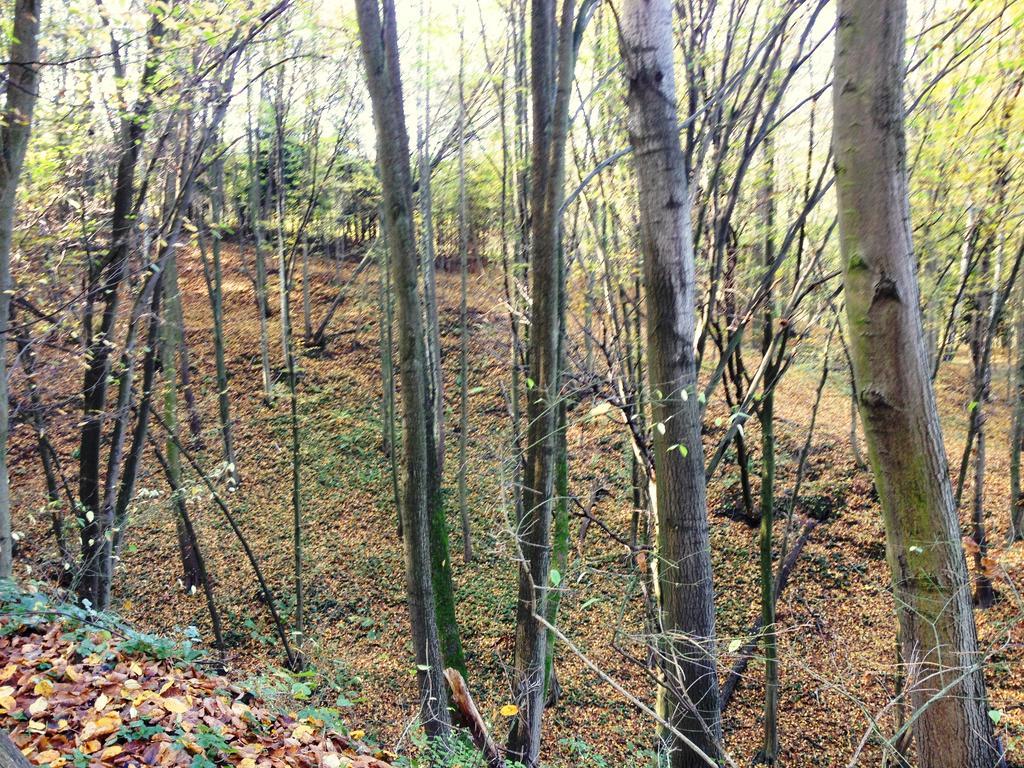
(7, 672)
(104, 726)
(36, 726)
(90, 746)
(247, 762)
(44, 687)
(111, 751)
(175, 705)
(357, 734)
(47, 756)
(38, 706)
(302, 731)
(128, 604)
(101, 702)
(509, 710)
(72, 674)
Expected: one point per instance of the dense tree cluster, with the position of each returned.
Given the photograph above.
(677, 210)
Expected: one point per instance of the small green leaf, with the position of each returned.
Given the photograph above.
(995, 715)
(556, 578)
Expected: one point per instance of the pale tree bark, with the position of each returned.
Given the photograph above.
(379, 42)
(22, 84)
(688, 697)
(255, 206)
(467, 541)
(945, 681)
(435, 380)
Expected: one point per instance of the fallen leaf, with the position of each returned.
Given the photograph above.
(174, 705)
(38, 706)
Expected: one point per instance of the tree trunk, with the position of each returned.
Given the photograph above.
(92, 584)
(897, 404)
(192, 577)
(256, 225)
(467, 541)
(379, 41)
(22, 78)
(435, 380)
(984, 595)
(215, 286)
(770, 747)
(1017, 432)
(688, 696)
(307, 316)
(552, 61)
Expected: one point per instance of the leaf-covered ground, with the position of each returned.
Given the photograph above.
(76, 695)
(837, 646)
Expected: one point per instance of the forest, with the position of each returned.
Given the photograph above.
(512, 383)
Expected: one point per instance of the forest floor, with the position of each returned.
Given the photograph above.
(837, 644)
(76, 693)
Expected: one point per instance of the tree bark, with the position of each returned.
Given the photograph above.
(215, 288)
(467, 540)
(552, 61)
(92, 584)
(10, 755)
(22, 85)
(1017, 431)
(688, 696)
(379, 42)
(897, 405)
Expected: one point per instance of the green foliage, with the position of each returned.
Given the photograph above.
(458, 752)
(99, 633)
